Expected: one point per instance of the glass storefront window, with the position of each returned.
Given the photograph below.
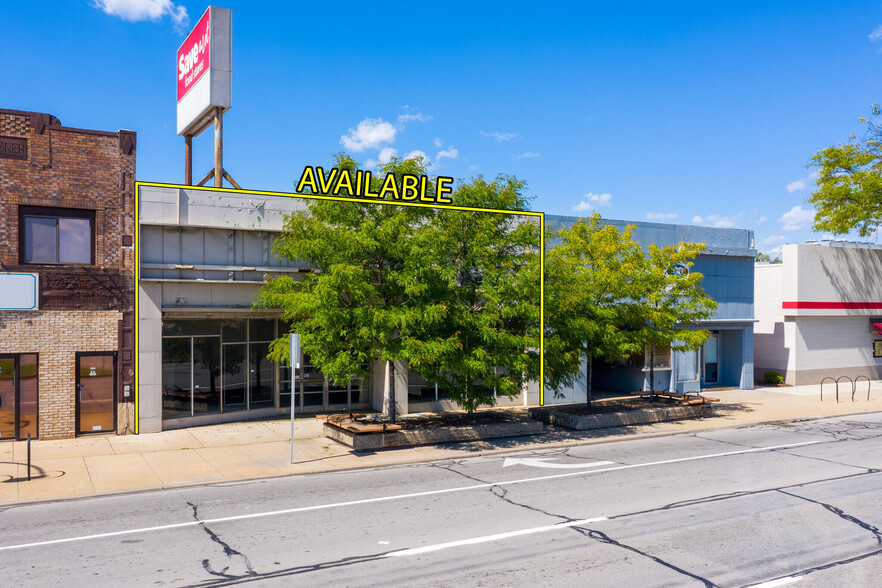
(262, 376)
(214, 366)
(687, 366)
(234, 376)
(262, 329)
(235, 331)
(174, 328)
(176, 356)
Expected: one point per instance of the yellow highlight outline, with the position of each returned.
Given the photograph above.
(137, 245)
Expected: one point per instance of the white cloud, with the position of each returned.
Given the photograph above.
(438, 142)
(828, 237)
(716, 220)
(796, 218)
(416, 153)
(413, 116)
(370, 134)
(775, 251)
(527, 154)
(876, 34)
(661, 215)
(450, 153)
(386, 154)
(591, 201)
(797, 185)
(762, 219)
(138, 10)
(500, 136)
(773, 239)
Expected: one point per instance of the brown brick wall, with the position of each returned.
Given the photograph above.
(57, 335)
(82, 169)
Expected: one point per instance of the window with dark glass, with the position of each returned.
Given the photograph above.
(57, 235)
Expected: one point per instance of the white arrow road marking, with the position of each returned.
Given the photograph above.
(287, 511)
(488, 538)
(542, 462)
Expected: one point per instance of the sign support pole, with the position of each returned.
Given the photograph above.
(218, 147)
(188, 160)
(294, 362)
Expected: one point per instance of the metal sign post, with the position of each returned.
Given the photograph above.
(294, 362)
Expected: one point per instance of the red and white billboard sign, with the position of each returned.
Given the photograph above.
(194, 56)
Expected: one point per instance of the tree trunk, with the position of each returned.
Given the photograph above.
(652, 370)
(390, 391)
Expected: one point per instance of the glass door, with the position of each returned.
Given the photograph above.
(711, 355)
(8, 386)
(96, 392)
(18, 396)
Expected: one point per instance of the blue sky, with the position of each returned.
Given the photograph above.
(697, 113)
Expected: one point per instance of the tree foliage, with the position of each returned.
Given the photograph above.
(765, 258)
(669, 301)
(849, 182)
(589, 298)
(606, 297)
(455, 294)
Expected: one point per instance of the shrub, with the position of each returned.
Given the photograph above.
(773, 378)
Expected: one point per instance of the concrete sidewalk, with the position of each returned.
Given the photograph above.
(109, 464)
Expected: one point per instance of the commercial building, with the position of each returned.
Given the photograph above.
(819, 313)
(204, 254)
(66, 278)
(726, 357)
(202, 349)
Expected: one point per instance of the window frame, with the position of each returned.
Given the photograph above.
(54, 213)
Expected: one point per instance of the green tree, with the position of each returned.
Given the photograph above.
(849, 183)
(352, 307)
(588, 298)
(764, 258)
(481, 277)
(440, 289)
(668, 300)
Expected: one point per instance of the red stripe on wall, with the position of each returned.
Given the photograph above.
(832, 305)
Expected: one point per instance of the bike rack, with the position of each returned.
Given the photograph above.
(855, 385)
(837, 387)
(822, 387)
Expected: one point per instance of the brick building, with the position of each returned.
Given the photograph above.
(66, 278)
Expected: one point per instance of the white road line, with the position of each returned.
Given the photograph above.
(488, 538)
(778, 582)
(398, 497)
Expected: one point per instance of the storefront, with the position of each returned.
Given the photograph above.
(66, 278)
(726, 357)
(820, 313)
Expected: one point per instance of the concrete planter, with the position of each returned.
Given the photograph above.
(431, 435)
(557, 417)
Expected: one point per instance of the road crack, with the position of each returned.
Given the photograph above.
(841, 514)
(604, 538)
(502, 494)
(231, 553)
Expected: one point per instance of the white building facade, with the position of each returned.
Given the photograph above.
(819, 313)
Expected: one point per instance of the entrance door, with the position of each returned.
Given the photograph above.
(8, 388)
(96, 392)
(711, 359)
(18, 396)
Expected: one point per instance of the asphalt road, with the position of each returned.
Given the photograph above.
(796, 504)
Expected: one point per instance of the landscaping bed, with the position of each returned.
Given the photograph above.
(365, 433)
(616, 413)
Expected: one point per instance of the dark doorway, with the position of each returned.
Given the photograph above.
(96, 392)
(18, 396)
